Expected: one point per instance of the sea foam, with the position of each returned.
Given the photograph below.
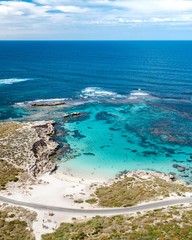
(97, 92)
(13, 80)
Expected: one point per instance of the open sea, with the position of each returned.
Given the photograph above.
(135, 100)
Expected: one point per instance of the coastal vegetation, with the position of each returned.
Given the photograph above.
(9, 169)
(8, 173)
(172, 223)
(14, 143)
(16, 223)
(91, 200)
(137, 187)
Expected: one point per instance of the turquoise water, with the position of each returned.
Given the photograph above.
(135, 99)
(113, 138)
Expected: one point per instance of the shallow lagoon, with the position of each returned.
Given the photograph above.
(110, 138)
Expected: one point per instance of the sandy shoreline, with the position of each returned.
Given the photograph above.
(60, 190)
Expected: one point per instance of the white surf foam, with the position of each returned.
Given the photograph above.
(101, 94)
(49, 100)
(140, 95)
(96, 92)
(13, 80)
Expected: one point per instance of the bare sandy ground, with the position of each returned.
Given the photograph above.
(58, 190)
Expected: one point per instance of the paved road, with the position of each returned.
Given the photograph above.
(108, 211)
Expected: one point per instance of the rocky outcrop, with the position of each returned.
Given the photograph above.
(28, 146)
(43, 148)
(73, 115)
(47, 104)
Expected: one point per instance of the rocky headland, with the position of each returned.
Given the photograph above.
(27, 147)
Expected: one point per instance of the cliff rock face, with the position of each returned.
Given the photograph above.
(28, 146)
(43, 148)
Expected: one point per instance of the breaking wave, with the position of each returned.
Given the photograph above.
(96, 92)
(13, 80)
(139, 94)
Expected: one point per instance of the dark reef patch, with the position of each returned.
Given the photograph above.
(123, 135)
(114, 129)
(134, 151)
(105, 146)
(78, 135)
(104, 116)
(147, 153)
(89, 154)
(79, 118)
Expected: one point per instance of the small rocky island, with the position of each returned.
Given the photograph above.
(47, 104)
(73, 115)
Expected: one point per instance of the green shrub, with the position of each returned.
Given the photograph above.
(91, 201)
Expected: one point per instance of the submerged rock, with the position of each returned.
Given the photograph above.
(89, 154)
(146, 153)
(105, 116)
(78, 135)
(180, 168)
(134, 151)
(175, 165)
(105, 146)
(168, 155)
(114, 129)
(185, 175)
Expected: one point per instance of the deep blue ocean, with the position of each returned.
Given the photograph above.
(135, 98)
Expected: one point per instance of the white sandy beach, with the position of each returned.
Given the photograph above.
(59, 189)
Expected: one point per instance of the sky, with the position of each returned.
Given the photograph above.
(96, 20)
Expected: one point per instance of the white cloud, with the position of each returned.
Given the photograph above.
(70, 9)
(8, 8)
(54, 15)
(153, 6)
(149, 6)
